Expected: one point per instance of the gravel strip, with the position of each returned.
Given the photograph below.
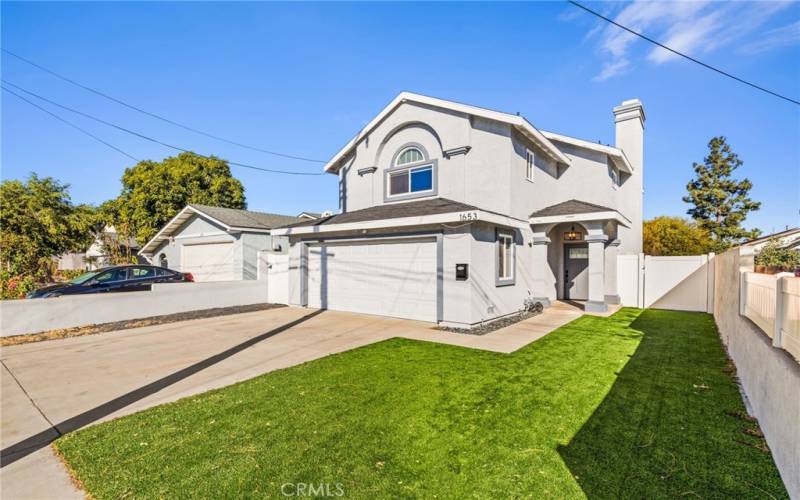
(493, 325)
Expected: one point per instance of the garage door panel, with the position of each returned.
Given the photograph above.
(391, 278)
(208, 262)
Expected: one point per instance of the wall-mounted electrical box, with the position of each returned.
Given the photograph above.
(462, 272)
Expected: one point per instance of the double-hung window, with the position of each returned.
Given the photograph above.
(411, 175)
(530, 165)
(505, 258)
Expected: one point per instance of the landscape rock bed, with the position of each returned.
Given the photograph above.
(492, 325)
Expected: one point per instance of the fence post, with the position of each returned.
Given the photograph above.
(777, 341)
(742, 292)
(640, 289)
(710, 280)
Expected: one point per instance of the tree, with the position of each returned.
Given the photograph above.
(37, 222)
(154, 192)
(721, 203)
(674, 236)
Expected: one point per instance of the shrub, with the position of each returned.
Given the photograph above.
(15, 286)
(772, 255)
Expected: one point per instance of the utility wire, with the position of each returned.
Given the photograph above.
(701, 63)
(71, 124)
(153, 115)
(148, 138)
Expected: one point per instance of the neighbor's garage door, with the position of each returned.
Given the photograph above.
(208, 262)
(388, 278)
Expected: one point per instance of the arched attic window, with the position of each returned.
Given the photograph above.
(411, 154)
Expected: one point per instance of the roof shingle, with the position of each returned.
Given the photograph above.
(570, 207)
(391, 211)
(246, 218)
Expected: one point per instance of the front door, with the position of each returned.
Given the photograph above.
(576, 271)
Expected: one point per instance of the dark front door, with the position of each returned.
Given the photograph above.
(576, 271)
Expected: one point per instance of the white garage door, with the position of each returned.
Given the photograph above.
(387, 278)
(208, 262)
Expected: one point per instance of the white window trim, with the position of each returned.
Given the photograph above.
(499, 240)
(530, 165)
(421, 153)
(408, 168)
(615, 177)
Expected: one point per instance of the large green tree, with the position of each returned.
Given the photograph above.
(669, 236)
(720, 202)
(153, 192)
(37, 222)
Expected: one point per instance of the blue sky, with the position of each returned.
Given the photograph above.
(303, 78)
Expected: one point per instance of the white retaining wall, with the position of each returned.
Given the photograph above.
(769, 376)
(37, 315)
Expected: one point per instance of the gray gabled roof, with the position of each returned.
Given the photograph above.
(247, 219)
(570, 207)
(432, 206)
(231, 219)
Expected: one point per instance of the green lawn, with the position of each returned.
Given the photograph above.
(641, 404)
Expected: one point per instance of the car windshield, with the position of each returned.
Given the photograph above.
(83, 278)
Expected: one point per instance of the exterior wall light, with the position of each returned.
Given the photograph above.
(572, 235)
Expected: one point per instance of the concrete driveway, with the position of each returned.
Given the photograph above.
(54, 387)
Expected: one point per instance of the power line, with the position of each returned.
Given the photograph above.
(148, 138)
(153, 115)
(701, 63)
(71, 124)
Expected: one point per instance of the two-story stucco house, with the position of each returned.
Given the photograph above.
(456, 214)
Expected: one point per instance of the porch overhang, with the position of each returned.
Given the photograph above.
(582, 217)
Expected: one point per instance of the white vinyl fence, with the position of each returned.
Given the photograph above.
(772, 302)
(684, 283)
(37, 315)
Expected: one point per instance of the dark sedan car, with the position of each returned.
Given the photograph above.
(134, 278)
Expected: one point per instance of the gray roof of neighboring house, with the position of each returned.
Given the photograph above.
(315, 215)
(570, 207)
(233, 217)
(780, 235)
(391, 211)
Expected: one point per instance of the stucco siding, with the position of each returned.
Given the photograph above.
(199, 230)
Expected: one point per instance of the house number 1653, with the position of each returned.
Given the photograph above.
(468, 216)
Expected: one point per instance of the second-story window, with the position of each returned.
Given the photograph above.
(411, 174)
(614, 174)
(413, 180)
(529, 165)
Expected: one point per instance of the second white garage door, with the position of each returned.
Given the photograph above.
(208, 262)
(387, 278)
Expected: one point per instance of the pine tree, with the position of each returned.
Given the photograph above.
(721, 203)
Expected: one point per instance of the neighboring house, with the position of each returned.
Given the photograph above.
(789, 239)
(216, 244)
(98, 255)
(309, 215)
(456, 214)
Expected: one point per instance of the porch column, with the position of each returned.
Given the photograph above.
(612, 289)
(597, 287)
(541, 268)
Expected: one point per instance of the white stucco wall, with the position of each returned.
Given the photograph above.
(769, 376)
(492, 175)
(200, 230)
(38, 315)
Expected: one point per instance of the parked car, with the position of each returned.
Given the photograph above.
(132, 278)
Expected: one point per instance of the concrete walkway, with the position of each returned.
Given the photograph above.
(54, 387)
